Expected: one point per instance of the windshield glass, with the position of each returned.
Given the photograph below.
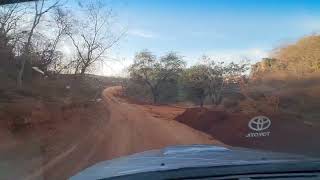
(87, 81)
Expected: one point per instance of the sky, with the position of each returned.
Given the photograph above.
(227, 30)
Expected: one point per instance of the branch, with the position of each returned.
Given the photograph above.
(49, 8)
(76, 46)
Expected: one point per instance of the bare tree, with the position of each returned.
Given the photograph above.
(40, 11)
(95, 37)
(7, 22)
(10, 16)
(49, 55)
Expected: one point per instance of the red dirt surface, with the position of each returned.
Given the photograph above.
(163, 112)
(79, 135)
(287, 133)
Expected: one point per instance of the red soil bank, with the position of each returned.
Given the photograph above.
(287, 133)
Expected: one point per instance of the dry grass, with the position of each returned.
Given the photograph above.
(41, 100)
(295, 96)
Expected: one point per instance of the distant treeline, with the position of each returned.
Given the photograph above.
(167, 79)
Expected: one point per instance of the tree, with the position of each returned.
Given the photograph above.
(40, 11)
(196, 83)
(10, 15)
(155, 73)
(10, 18)
(49, 55)
(221, 74)
(10, 32)
(214, 72)
(95, 37)
(209, 79)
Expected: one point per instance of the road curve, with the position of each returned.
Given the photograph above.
(125, 129)
(134, 130)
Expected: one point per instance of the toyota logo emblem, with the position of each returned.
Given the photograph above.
(259, 123)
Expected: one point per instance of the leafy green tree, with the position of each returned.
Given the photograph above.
(154, 72)
(209, 79)
(220, 75)
(196, 83)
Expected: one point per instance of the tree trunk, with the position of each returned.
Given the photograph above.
(216, 98)
(20, 74)
(21, 70)
(155, 98)
(76, 70)
(154, 93)
(83, 70)
(27, 58)
(202, 101)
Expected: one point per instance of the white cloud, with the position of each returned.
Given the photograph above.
(142, 33)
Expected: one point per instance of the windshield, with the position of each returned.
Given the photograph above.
(87, 81)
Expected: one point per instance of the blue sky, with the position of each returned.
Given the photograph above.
(225, 29)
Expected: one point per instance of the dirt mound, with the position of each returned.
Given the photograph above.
(287, 133)
(229, 128)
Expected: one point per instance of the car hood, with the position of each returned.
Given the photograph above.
(184, 156)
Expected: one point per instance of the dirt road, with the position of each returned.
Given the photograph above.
(134, 130)
(125, 129)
